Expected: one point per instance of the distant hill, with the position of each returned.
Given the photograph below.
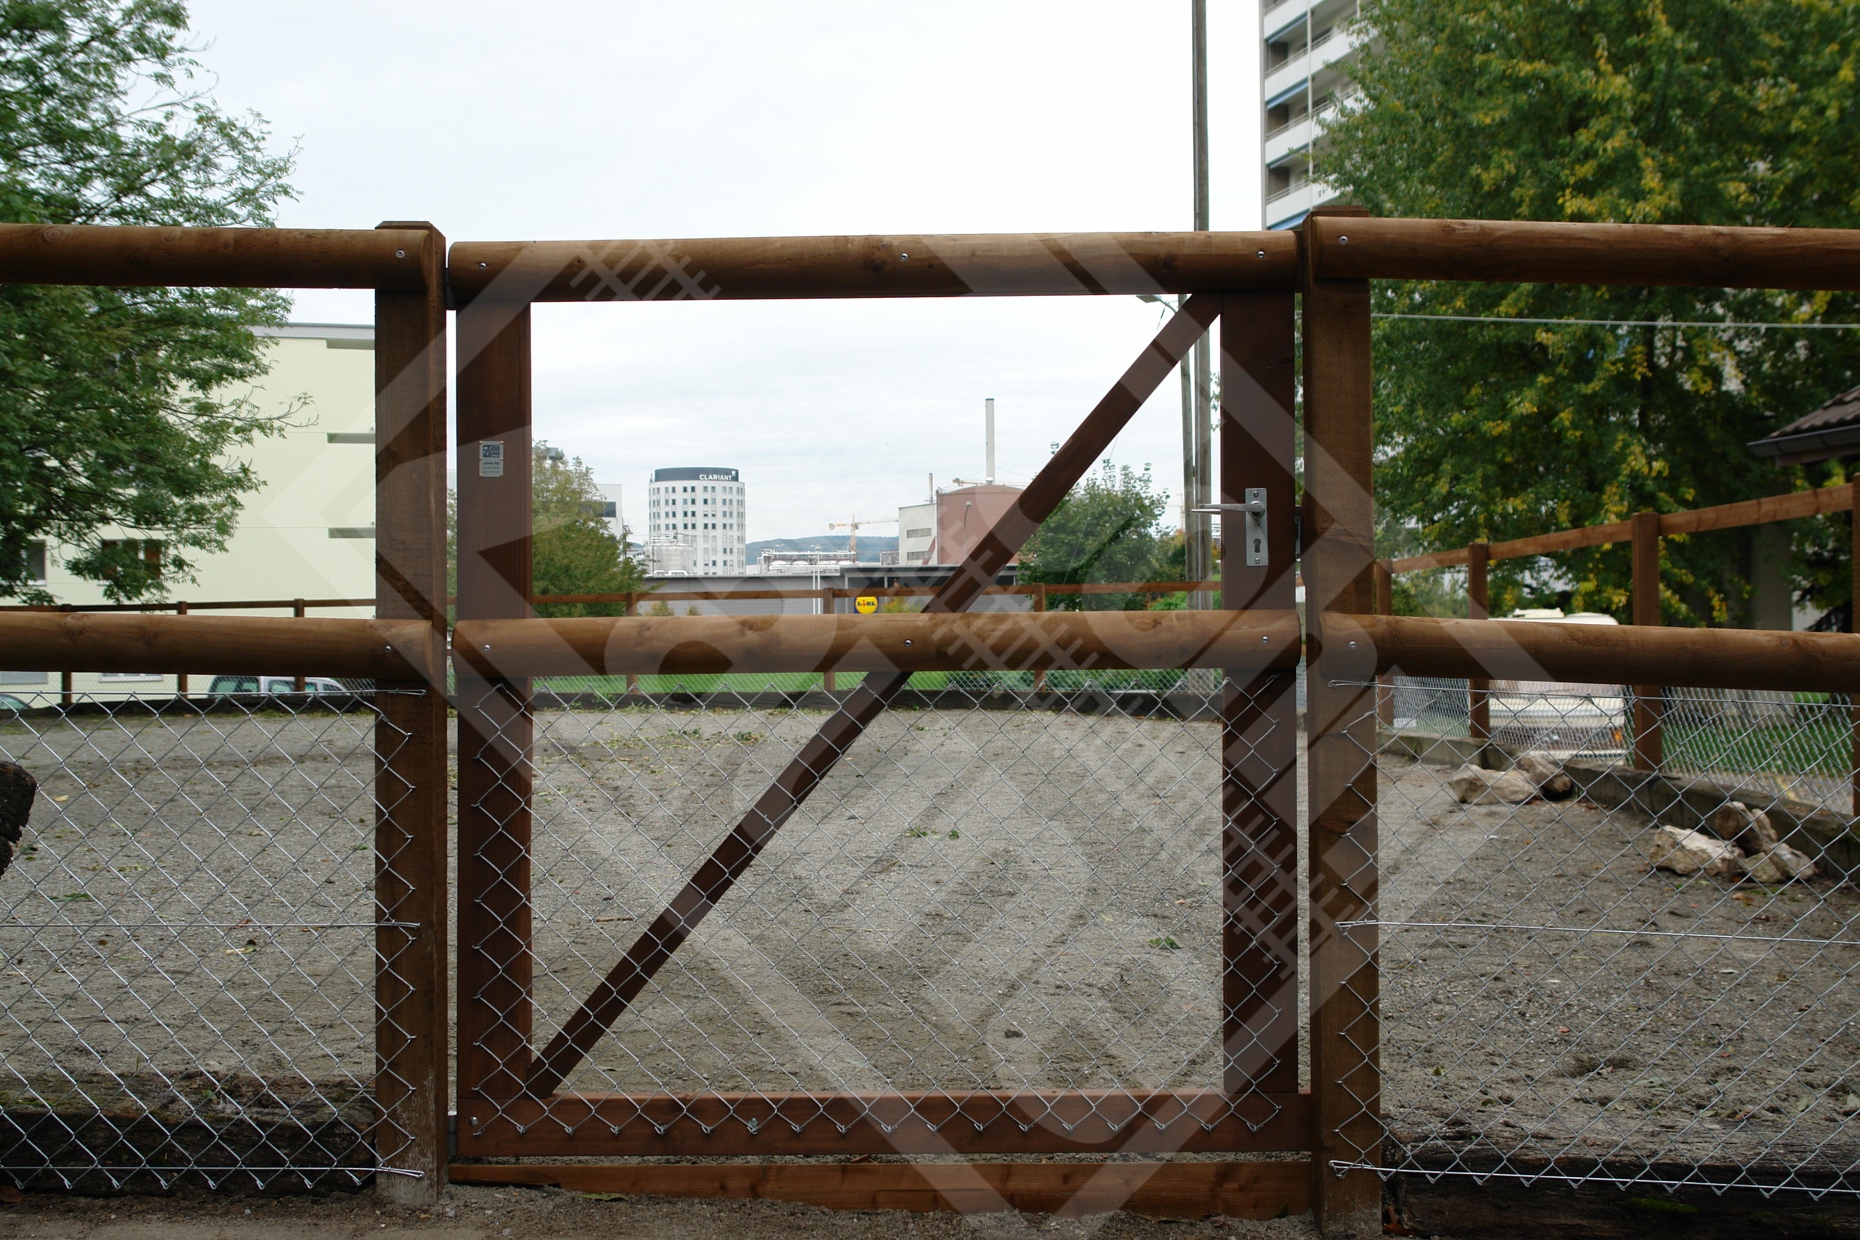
(869, 545)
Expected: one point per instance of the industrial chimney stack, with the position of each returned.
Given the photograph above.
(989, 406)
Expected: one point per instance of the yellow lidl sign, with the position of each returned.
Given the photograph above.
(866, 604)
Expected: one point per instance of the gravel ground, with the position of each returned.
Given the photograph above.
(972, 900)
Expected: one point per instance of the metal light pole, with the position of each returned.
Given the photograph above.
(1200, 533)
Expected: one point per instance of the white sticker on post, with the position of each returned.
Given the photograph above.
(491, 458)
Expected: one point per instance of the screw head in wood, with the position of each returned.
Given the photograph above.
(1343, 241)
(400, 253)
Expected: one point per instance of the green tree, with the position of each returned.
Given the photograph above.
(573, 551)
(1641, 111)
(113, 401)
(1108, 528)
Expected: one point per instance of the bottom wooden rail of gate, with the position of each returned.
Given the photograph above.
(1054, 921)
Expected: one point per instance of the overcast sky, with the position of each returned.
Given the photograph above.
(569, 119)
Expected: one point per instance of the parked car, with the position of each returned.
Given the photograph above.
(1564, 719)
(223, 685)
(10, 705)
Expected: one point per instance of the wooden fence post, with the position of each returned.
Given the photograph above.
(631, 606)
(64, 689)
(1259, 711)
(180, 680)
(1649, 740)
(1039, 604)
(496, 729)
(412, 992)
(1478, 689)
(299, 611)
(828, 680)
(1339, 550)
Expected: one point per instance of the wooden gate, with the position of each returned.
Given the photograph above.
(509, 1089)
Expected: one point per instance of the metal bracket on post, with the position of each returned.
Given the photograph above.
(1255, 510)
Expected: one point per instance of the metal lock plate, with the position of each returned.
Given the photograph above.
(1255, 527)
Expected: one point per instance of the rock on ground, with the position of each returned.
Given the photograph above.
(1749, 829)
(1693, 852)
(1547, 773)
(17, 787)
(1777, 864)
(1472, 785)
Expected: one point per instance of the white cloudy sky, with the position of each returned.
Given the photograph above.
(583, 118)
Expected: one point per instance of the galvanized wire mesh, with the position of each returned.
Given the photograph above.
(992, 890)
(1564, 997)
(189, 981)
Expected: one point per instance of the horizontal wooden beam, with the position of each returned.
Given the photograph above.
(1134, 1121)
(128, 256)
(1004, 641)
(1512, 251)
(1536, 544)
(231, 645)
(1790, 507)
(1602, 653)
(1188, 1190)
(1005, 264)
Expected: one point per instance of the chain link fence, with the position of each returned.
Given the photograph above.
(996, 889)
(990, 891)
(1594, 973)
(188, 989)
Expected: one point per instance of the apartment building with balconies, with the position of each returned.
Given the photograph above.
(1308, 45)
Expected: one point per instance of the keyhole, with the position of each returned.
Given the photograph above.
(1256, 546)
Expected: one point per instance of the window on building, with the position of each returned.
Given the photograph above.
(35, 563)
(148, 550)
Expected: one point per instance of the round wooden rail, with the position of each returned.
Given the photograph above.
(1600, 653)
(1000, 265)
(123, 256)
(1005, 641)
(1789, 507)
(1511, 251)
(272, 645)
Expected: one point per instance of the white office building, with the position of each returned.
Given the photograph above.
(695, 516)
(307, 532)
(917, 534)
(1308, 44)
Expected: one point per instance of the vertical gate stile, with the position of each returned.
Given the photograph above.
(1259, 734)
(495, 724)
(1853, 626)
(413, 1014)
(1338, 560)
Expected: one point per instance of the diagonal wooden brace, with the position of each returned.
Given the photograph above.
(803, 774)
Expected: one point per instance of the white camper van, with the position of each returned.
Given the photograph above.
(1565, 720)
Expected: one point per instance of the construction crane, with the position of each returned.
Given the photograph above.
(852, 539)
